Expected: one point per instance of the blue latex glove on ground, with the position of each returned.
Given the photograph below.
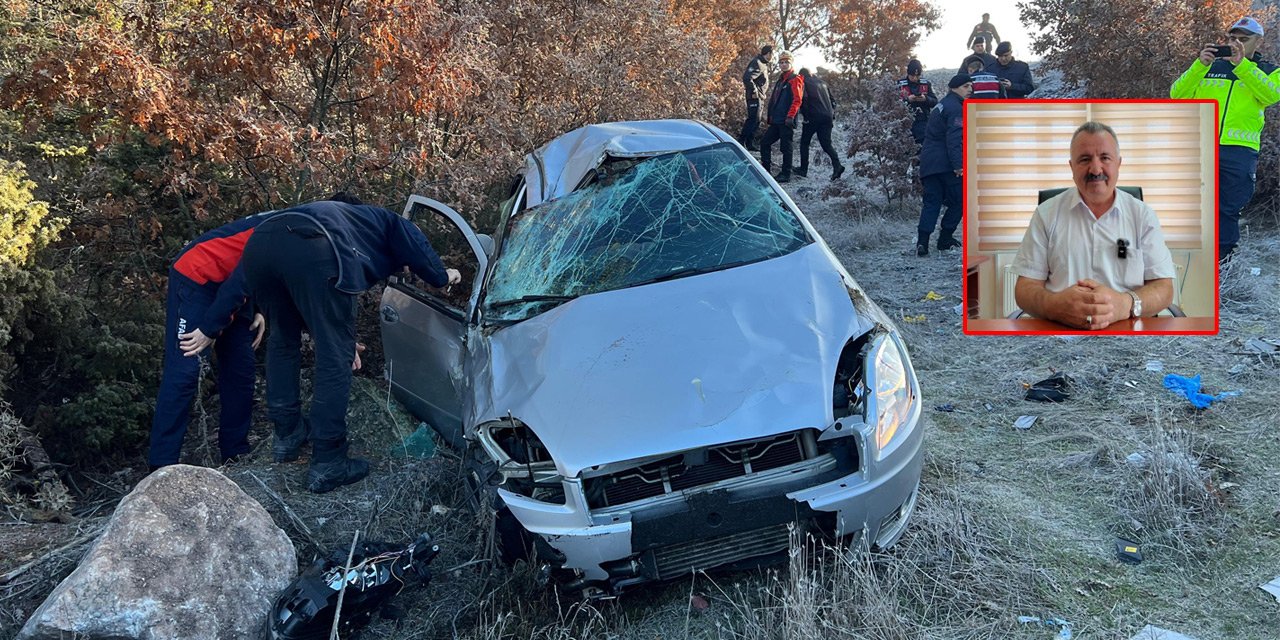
(1189, 388)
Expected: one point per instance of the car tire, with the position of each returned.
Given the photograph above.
(510, 539)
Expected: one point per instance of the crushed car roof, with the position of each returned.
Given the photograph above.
(558, 167)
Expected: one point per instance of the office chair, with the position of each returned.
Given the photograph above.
(1136, 192)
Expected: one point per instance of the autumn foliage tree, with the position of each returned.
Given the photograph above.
(801, 23)
(290, 96)
(880, 144)
(1127, 48)
(551, 66)
(868, 38)
(1137, 48)
(862, 37)
(143, 124)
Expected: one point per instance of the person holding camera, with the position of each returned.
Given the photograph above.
(1244, 85)
(784, 104)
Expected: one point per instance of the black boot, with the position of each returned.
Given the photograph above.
(946, 242)
(287, 448)
(922, 250)
(784, 175)
(803, 172)
(327, 476)
(839, 171)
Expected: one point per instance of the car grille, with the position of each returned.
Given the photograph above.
(671, 474)
(679, 559)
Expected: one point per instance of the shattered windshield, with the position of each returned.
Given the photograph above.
(639, 222)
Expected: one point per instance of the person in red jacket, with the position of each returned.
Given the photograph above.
(784, 104)
(207, 301)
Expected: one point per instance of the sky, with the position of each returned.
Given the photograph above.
(944, 47)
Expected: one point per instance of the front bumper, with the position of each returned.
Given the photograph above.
(735, 520)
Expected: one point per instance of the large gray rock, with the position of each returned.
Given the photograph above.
(187, 554)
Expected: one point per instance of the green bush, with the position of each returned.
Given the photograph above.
(25, 229)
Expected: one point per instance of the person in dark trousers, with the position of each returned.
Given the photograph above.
(1244, 85)
(985, 31)
(755, 80)
(918, 94)
(819, 112)
(979, 50)
(1014, 75)
(304, 267)
(985, 83)
(207, 302)
(784, 104)
(942, 165)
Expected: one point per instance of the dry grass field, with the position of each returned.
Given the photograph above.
(1010, 522)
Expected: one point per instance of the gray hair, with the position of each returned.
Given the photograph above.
(1096, 127)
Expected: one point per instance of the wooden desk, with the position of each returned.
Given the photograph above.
(1145, 325)
(971, 283)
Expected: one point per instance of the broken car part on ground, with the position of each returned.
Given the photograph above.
(658, 366)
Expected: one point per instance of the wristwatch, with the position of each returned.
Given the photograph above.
(1137, 305)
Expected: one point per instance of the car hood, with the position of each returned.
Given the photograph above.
(737, 354)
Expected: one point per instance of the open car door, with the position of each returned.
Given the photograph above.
(423, 328)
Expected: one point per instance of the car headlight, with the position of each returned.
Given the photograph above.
(891, 397)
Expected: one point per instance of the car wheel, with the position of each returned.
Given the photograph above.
(510, 539)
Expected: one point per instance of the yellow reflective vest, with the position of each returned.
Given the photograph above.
(1242, 92)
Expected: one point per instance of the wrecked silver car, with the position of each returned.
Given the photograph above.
(658, 366)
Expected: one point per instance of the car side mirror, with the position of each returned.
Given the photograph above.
(486, 243)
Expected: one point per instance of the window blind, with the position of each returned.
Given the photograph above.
(1016, 148)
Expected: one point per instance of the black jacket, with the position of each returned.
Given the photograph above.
(1019, 76)
(987, 60)
(371, 243)
(817, 106)
(755, 79)
(943, 150)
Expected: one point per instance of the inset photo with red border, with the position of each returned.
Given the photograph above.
(1090, 217)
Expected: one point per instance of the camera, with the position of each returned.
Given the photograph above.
(1222, 51)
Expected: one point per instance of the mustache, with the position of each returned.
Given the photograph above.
(1095, 177)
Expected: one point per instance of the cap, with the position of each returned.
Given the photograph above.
(1003, 48)
(914, 67)
(784, 55)
(959, 80)
(1247, 24)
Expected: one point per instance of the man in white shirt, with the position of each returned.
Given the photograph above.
(1093, 255)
